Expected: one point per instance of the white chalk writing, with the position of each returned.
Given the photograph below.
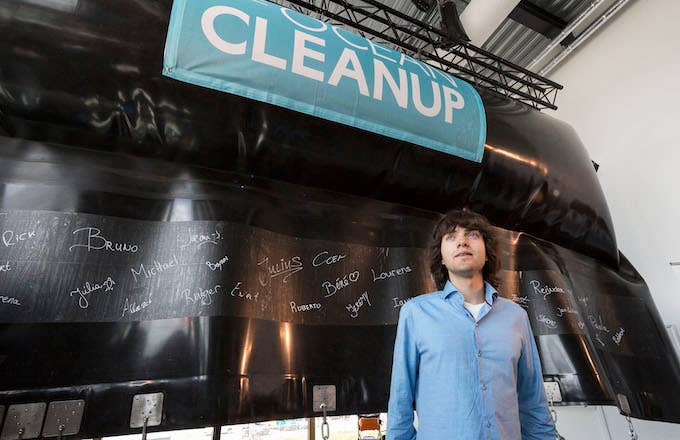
(550, 323)
(9, 300)
(544, 290)
(304, 307)
(5, 267)
(205, 297)
(391, 273)
(618, 336)
(239, 292)
(11, 238)
(97, 241)
(340, 283)
(562, 311)
(218, 265)
(202, 239)
(325, 258)
(88, 288)
(156, 268)
(598, 324)
(353, 309)
(132, 307)
(287, 268)
(521, 300)
(398, 302)
(200, 295)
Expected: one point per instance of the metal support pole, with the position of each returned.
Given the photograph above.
(217, 433)
(311, 428)
(146, 420)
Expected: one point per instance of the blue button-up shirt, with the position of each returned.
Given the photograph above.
(469, 379)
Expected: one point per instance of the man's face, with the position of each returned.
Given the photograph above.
(463, 252)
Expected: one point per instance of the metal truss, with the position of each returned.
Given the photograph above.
(416, 38)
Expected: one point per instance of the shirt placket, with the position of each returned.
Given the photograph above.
(484, 386)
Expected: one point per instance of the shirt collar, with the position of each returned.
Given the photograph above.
(489, 292)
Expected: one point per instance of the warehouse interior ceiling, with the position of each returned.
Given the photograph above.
(514, 60)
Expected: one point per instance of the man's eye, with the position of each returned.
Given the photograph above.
(474, 234)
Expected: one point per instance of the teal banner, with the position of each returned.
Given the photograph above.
(262, 51)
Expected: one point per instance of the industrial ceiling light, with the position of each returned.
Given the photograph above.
(424, 5)
(451, 21)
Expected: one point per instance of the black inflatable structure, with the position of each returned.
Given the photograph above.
(233, 255)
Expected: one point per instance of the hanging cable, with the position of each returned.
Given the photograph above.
(553, 414)
(631, 429)
(325, 430)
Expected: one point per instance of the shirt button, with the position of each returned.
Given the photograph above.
(479, 353)
(476, 324)
(488, 424)
(483, 387)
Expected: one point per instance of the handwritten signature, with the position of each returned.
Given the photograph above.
(304, 307)
(340, 283)
(521, 300)
(392, 273)
(324, 257)
(398, 302)
(287, 268)
(202, 239)
(96, 241)
(618, 336)
(562, 311)
(598, 324)
(133, 307)
(9, 300)
(544, 290)
(353, 309)
(10, 238)
(218, 265)
(550, 323)
(156, 268)
(88, 288)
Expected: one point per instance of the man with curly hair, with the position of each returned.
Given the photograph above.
(463, 355)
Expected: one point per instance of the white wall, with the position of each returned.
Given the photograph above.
(622, 95)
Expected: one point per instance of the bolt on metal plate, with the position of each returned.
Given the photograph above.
(23, 421)
(324, 394)
(63, 418)
(146, 406)
(623, 403)
(552, 391)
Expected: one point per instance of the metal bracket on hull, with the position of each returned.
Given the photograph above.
(23, 421)
(63, 418)
(147, 410)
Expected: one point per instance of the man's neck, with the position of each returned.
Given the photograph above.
(471, 288)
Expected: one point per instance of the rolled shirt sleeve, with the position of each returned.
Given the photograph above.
(534, 415)
(404, 376)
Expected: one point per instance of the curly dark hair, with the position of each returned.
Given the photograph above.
(468, 220)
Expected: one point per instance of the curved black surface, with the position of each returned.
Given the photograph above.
(99, 85)
(243, 361)
(93, 134)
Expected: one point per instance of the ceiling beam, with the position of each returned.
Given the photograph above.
(540, 20)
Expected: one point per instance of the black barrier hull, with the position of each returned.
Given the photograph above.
(242, 359)
(99, 85)
(98, 138)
